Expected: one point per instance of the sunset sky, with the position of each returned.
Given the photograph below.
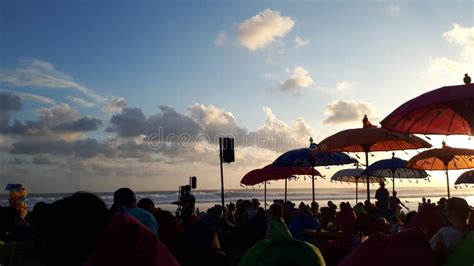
(96, 95)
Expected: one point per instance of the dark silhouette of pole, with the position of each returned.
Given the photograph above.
(286, 187)
(312, 179)
(222, 173)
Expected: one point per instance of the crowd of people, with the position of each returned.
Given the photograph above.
(81, 230)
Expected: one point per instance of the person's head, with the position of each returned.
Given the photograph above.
(423, 200)
(74, 225)
(382, 184)
(146, 204)
(255, 203)
(187, 189)
(125, 197)
(442, 203)
(314, 206)
(276, 211)
(304, 210)
(394, 193)
(457, 210)
(231, 207)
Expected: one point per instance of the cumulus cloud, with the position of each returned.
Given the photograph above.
(59, 121)
(114, 106)
(79, 101)
(86, 148)
(38, 73)
(80, 125)
(9, 102)
(341, 111)
(220, 39)
(463, 37)
(277, 135)
(450, 70)
(300, 79)
(264, 28)
(300, 42)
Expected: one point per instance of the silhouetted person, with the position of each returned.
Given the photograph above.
(73, 228)
(448, 238)
(382, 196)
(125, 198)
(467, 79)
(188, 202)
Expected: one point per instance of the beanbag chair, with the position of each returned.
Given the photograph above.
(463, 254)
(409, 247)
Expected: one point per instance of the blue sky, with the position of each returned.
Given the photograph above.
(371, 55)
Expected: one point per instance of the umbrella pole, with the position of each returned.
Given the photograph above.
(312, 179)
(447, 179)
(357, 190)
(265, 194)
(367, 174)
(286, 187)
(393, 181)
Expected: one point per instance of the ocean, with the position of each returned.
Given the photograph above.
(208, 198)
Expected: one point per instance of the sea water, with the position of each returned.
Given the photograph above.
(208, 198)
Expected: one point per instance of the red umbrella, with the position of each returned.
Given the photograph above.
(370, 139)
(446, 111)
(270, 172)
(446, 158)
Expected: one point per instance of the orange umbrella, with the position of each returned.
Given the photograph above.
(370, 139)
(446, 158)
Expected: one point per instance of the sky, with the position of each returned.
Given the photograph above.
(96, 95)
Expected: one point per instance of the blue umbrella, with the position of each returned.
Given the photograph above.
(394, 168)
(308, 157)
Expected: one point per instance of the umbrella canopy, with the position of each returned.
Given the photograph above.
(394, 168)
(355, 175)
(447, 111)
(370, 139)
(270, 172)
(309, 157)
(465, 178)
(446, 158)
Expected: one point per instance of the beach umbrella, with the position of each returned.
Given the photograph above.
(269, 173)
(445, 111)
(310, 158)
(355, 175)
(465, 178)
(446, 158)
(394, 168)
(370, 139)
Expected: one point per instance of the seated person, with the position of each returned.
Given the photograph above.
(303, 220)
(448, 238)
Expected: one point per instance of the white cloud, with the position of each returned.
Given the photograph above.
(37, 73)
(262, 29)
(341, 111)
(220, 39)
(450, 71)
(114, 106)
(463, 37)
(80, 101)
(394, 9)
(344, 86)
(300, 42)
(300, 79)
